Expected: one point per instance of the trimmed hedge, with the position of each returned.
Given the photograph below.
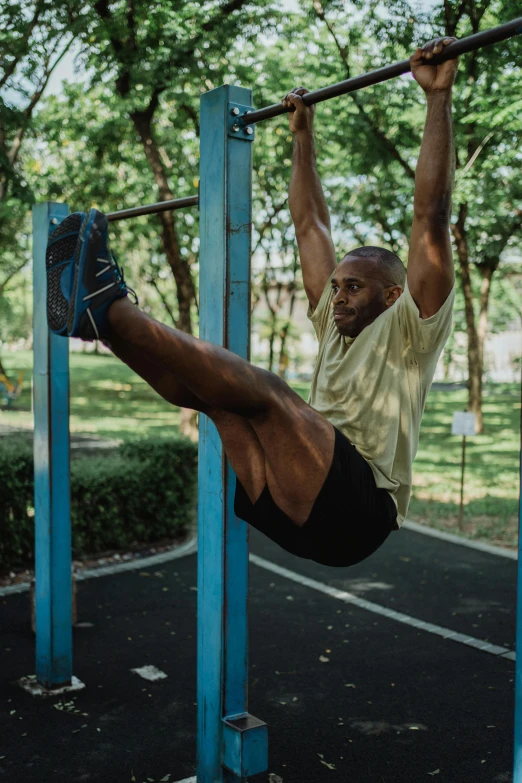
(16, 502)
(141, 493)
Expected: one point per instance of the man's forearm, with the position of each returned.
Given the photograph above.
(436, 165)
(306, 198)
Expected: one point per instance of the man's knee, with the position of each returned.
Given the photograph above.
(281, 399)
(275, 382)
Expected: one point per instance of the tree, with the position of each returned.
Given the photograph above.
(488, 198)
(380, 128)
(34, 37)
(131, 133)
(152, 54)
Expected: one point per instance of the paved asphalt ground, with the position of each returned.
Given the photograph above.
(350, 695)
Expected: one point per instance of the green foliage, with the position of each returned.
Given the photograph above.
(16, 502)
(148, 65)
(34, 36)
(145, 492)
(368, 141)
(88, 132)
(157, 57)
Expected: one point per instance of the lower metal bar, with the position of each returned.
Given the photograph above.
(465, 45)
(152, 209)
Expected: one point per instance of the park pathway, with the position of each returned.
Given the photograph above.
(352, 692)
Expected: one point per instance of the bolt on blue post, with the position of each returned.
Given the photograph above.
(53, 591)
(231, 743)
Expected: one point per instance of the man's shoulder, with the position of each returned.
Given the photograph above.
(406, 301)
(425, 335)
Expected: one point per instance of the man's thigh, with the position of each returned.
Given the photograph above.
(298, 446)
(243, 450)
(289, 446)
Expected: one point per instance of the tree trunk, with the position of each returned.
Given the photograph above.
(447, 360)
(283, 355)
(185, 289)
(475, 357)
(273, 311)
(186, 292)
(485, 289)
(271, 341)
(188, 424)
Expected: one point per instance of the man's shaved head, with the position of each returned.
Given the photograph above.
(367, 282)
(392, 267)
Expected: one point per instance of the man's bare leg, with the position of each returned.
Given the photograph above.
(297, 443)
(157, 375)
(239, 439)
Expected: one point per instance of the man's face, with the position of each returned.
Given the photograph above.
(361, 293)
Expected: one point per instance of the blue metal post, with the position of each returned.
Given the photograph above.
(231, 743)
(53, 593)
(517, 770)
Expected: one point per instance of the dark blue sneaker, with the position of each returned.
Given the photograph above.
(59, 263)
(98, 281)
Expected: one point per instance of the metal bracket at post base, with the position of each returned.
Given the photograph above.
(245, 741)
(237, 129)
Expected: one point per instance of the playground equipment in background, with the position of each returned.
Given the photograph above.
(231, 744)
(9, 391)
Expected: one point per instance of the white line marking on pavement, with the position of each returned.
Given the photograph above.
(501, 551)
(399, 617)
(190, 547)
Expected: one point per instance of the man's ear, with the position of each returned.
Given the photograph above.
(392, 294)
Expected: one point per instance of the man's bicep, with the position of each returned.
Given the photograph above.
(431, 273)
(318, 261)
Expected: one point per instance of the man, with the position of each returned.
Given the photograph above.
(330, 479)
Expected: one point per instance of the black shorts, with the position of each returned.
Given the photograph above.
(350, 518)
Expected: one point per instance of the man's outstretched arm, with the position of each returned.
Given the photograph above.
(431, 272)
(307, 203)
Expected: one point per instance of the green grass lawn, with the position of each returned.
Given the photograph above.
(109, 401)
(492, 466)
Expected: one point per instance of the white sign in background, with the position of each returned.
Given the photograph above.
(463, 423)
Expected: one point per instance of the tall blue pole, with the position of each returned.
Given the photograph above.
(53, 593)
(517, 769)
(231, 743)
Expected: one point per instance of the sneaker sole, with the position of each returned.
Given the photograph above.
(84, 256)
(57, 302)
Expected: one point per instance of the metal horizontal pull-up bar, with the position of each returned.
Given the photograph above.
(469, 44)
(465, 45)
(152, 209)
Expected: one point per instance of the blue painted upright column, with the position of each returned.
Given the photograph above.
(231, 743)
(53, 593)
(517, 772)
